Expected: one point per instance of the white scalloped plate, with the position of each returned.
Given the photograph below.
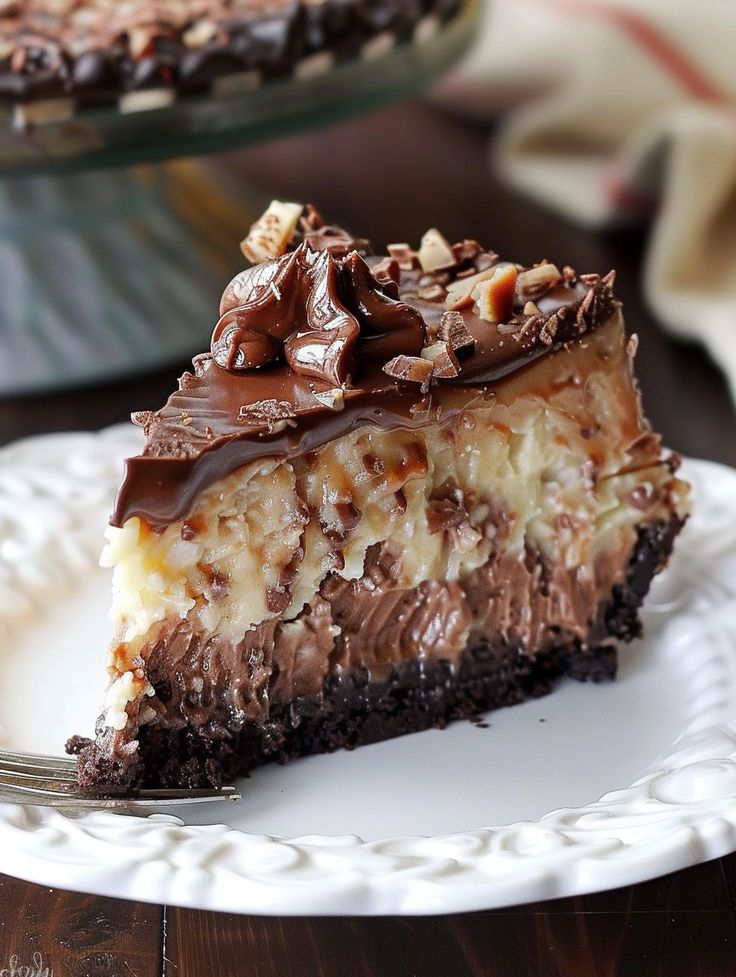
(590, 788)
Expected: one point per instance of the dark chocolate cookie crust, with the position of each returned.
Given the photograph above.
(354, 711)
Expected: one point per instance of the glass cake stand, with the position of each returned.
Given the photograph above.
(105, 274)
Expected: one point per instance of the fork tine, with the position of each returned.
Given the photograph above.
(9, 769)
(38, 760)
(47, 781)
(45, 797)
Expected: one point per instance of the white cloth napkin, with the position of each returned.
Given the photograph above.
(620, 110)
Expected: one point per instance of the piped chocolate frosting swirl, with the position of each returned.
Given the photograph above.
(319, 338)
(316, 310)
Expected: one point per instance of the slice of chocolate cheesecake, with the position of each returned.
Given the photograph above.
(397, 491)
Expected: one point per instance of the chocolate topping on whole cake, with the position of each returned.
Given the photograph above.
(93, 49)
(322, 337)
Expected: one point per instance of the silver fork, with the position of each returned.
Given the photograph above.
(51, 781)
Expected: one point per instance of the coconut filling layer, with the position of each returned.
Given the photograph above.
(554, 463)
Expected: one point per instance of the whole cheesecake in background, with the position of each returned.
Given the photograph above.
(143, 54)
(399, 490)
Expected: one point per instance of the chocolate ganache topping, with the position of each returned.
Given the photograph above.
(320, 336)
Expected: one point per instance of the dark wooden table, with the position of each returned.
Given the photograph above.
(389, 176)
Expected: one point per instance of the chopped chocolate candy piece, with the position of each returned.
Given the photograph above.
(315, 232)
(455, 333)
(403, 254)
(387, 270)
(549, 330)
(444, 362)
(271, 233)
(466, 251)
(486, 259)
(413, 369)
(590, 279)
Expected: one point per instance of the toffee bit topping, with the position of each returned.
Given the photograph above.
(412, 369)
(494, 296)
(486, 260)
(460, 292)
(536, 281)
(590, 280)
